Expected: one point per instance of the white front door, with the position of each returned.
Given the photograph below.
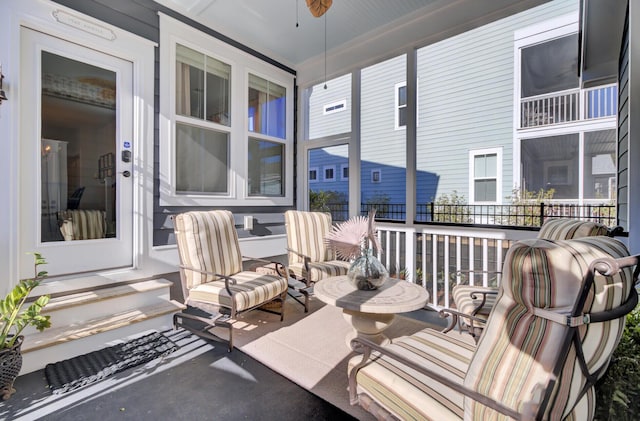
(76, 171)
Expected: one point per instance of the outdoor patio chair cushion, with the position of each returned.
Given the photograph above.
(467, 302)
(541, 274)
(208, 245)
(306, 232)
(409, 394)
(519, 349)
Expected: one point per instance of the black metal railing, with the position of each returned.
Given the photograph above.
(515, 215)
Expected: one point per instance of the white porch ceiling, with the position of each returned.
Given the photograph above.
(358, 31)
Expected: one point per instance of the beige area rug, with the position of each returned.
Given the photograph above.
(309, 349)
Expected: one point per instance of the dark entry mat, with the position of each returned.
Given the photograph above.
(82, 370)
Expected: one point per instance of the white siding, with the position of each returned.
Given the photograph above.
(465, 97)
(382, 146)
(321, 124)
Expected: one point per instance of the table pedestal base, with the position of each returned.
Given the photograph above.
(368, 326)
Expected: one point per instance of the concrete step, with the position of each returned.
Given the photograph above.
(74, 308)
(90, 320)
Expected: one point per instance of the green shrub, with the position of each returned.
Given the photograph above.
(452, 208)
(618, 391)
(321, 199)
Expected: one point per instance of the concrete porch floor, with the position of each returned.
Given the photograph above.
(200, 381)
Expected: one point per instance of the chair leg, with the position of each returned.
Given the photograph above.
(219, 320)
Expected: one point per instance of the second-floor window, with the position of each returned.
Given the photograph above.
(329, 173)
(401, 105)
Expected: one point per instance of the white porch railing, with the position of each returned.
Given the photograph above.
(570, 105)
(542, 110)
(435, 256)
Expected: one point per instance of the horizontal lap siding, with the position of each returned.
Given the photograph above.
(141, 18)
(321, 125)
(383, 148)
(465, 98)
(623, 132)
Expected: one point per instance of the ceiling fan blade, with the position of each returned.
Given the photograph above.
(319, 7)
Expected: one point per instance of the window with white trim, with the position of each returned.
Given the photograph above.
(376, 176)
(313, 175)
(485, 169)
(344, 172)
(400, 105)
(226, 131)
(330, 173)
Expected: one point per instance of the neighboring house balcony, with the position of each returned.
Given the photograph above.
(568, 106)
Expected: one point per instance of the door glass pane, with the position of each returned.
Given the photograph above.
(266, 168)
(329, 194)
(78, 149)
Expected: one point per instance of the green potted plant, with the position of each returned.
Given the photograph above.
(16, 314)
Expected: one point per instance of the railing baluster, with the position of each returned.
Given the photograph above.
(434, 269)
(445, 268)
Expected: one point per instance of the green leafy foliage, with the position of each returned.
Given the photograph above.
(322, 200)
(618, 391)
(14, 317)
(452, 208)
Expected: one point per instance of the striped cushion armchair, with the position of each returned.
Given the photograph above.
(478, 301)
(557, 320)
(310, 260)
(212, 276)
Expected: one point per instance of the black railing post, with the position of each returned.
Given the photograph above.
(430, 204)
(541, 213)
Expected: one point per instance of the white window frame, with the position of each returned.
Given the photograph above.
(472, 191)
(396, 107)
(327, 111)
(379, 172)
(316, 171)
(342, 168)
(324, 173)
(536, 34)
(242, 63)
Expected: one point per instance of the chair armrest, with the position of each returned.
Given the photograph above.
(304, 256)
(456, 316)
(306, 262)
(365, 346)
(484, 294)
(228, 280)
(280, 268)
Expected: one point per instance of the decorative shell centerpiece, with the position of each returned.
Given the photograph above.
(356, 240)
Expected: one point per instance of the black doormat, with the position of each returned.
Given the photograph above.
(82, 370)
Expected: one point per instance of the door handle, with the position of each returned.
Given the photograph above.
(126, 173)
